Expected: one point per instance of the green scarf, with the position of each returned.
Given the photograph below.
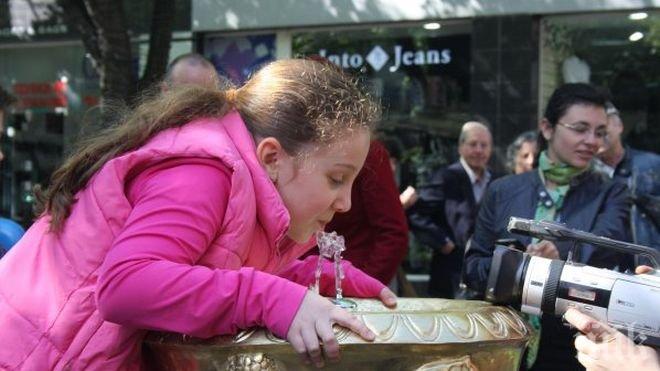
(559, 173)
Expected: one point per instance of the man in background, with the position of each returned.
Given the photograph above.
(193, 69)
(640, 170)
(443, 218)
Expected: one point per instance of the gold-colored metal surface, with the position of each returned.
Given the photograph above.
(419, 334)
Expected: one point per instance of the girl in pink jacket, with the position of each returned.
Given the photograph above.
(189, 216)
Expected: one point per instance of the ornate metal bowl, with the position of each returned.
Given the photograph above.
(419, 334)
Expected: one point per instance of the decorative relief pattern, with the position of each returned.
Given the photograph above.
(420, 334)
(414, 320)
(453, 364)
(430, 333)
(251, 362)
(464, 328)
(421, 321)
(244, 335)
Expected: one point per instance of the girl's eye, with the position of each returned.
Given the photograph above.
(336, 181)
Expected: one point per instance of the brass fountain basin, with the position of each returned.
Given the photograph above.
(419, 334)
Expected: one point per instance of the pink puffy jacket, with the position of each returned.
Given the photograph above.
(49, 317)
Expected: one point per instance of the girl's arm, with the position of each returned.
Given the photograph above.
(150, 278)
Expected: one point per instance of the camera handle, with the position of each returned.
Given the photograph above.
(554, 231)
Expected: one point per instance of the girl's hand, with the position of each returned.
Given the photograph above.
(358, 284)
(387, 297)
(313, 322)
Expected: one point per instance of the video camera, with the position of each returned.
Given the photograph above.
(535, 285)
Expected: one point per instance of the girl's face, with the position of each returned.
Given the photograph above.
(577, 136)
(525, 157)
(318, 185)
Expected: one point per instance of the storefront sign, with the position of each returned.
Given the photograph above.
(42, 30)
(41, 94)
(378, 57)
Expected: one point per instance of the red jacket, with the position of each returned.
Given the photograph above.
(375, 227)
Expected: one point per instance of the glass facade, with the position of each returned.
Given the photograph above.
(52, 98)
(421, 77)
(57, 90)
(235, 57)
(617, 51)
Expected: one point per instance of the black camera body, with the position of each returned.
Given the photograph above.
(537, 285)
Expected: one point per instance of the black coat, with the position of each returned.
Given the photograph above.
(446, 209)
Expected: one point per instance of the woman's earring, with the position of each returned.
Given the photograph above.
(273, 177)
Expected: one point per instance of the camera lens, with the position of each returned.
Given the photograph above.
(506, 276)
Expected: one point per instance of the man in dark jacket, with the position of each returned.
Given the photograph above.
(640, 171)
(444, 216)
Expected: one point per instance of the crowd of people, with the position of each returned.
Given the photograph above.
(556, 177)
(197, 214)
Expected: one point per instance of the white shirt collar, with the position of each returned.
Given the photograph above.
(471, 174)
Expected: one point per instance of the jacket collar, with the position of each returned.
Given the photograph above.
(471, 174)
(271, 212)
(624, 168)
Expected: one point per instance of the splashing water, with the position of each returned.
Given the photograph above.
(330, 246)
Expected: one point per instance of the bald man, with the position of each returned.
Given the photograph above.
(193, 69)
(443, 218)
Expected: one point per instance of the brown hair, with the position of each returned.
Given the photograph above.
(298, 102)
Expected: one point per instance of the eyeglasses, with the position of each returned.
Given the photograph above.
(583, 129)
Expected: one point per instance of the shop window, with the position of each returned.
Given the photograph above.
(236, 57)
(420, 76)
(617, 51)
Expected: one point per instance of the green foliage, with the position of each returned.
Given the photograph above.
(424, 164)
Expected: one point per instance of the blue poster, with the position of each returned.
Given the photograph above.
(236, 57)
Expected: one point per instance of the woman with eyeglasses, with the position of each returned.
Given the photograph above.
(562, 188)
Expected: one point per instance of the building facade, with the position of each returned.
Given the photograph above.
(435, 64)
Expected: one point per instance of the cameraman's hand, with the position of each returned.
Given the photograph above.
(544, 249)
(313, 322)
(642, 269)
(601, 347)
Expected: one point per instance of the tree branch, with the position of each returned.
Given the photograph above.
(160, 39)
(75, 15)
(117, 77)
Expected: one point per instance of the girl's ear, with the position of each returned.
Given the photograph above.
(270, 154)
(546, 129)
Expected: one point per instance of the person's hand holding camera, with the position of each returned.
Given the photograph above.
(601, 347)
(544, 249)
